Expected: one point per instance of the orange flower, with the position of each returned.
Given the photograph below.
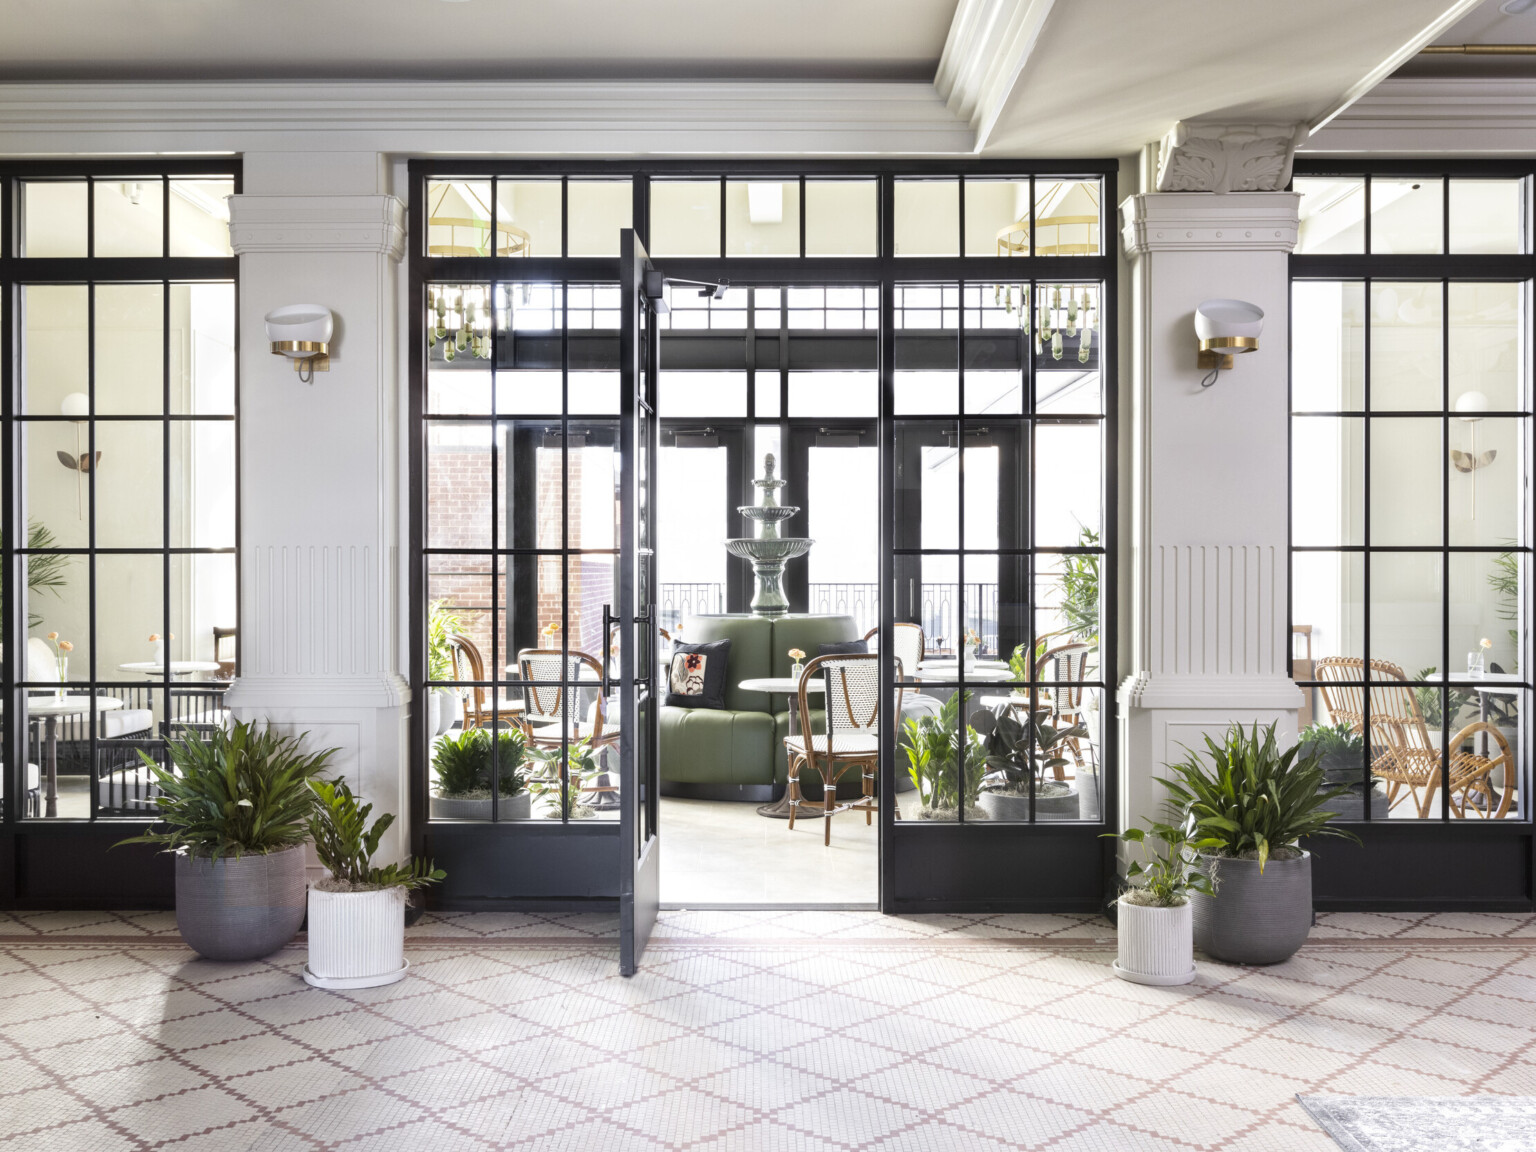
(153, 636)
(66, 646)
(53, 635)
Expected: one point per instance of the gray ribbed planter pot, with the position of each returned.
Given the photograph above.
(1253, 918)
(240, 908)
(1007, 806)
(516, 807)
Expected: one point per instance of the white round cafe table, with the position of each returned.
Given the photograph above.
(49, 709)
(982, 672)
(786, 686)
(178, 667)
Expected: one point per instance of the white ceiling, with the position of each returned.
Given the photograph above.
(1484, 25)
(1083, 93)
(476, 39)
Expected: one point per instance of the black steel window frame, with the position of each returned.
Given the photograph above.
(16, 272)
(1443, 268)
(989, 846)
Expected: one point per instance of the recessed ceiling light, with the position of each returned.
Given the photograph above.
(1515, 7)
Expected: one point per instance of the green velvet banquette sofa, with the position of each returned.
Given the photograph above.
(737, 753)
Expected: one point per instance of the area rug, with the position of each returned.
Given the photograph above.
(1427, 1123)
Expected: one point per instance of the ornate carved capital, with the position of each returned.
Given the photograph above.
(1198, 157)
(317, 224)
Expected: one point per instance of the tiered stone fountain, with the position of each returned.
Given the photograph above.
(767, 550)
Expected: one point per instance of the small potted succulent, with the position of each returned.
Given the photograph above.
(1250, 805)
(582, 770)
(237, 803)
(464, 762)
(1154, 925)
(945, 764)
(357, 913)
(1023, 752)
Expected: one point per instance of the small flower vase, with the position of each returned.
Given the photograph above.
(63, 674)
(1475, 663)
(796, 671)
(969, 656)
(160, 652)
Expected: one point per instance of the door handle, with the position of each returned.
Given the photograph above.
(607, 645)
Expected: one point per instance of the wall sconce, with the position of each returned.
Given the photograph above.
(302, 332)
(77, 406)
(1470, 407)
(1226, 328)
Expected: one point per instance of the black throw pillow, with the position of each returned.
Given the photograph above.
(696, 675)
(844, 648)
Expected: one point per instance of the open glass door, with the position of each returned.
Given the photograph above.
(639, 746)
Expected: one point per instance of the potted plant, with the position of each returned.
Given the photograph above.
(935, 749)
(237, 804)
(463, 763)
(581, 766)
(445, 707)
(1154, 926)
(357, 913)
(1340, 752)
(1021, 748)
(1250, 806)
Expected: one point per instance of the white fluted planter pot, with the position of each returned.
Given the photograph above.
(1156, 945)
(356, 939)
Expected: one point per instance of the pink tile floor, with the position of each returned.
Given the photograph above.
(744, 1031)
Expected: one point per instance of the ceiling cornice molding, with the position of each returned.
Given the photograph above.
(444, 118)
(989, 44)
(1436, 116)
(317, 224)
(1209, 222)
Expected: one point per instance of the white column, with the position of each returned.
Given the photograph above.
(318, 646)
(1208, 633)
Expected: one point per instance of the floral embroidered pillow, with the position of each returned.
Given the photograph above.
(696, 676)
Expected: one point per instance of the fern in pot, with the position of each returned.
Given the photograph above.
(1154, 921)
(357, 913)
(1250, 805)
(464, 763)
(237, 805)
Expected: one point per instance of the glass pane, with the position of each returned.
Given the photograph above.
(985, 509)
(685, 218)
(762, 218)
(592, 393)
(53, 218)
(1067, 217)
(692, 519)
(130, 349)
(458, 466)
(834, 394)
(129, 217)
(130, 478)
(1068, 474)
(599, 209)
(1405, 609)
(528, 218)
(1327, 590)
(1486, 486)
(927, 218)
(996, 217)
(459, 218)
(1065, 331)
(1406, 352)
(593, 469)
(1485, 605)
(927, 350)
(1488, 216)
(720, 394)
(927, 393)
(1327, 490)
(202, 599)
(1332, 214)
(842, 496)
(200, 217)
(1407, 468)
(58, 494)
(1001, 392)
(840, 218)
(130, 609)
(1407, 215)
(202, 349)
(458, 589)
(202, 484)
(767, 395)
(1328, 345)
(1486, 364)
(57, 591)
(55, 349)
(1068, 602)
(953, 767)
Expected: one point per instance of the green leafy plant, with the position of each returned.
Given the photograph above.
(1019, 745)
(936, 746)
(1020, 663)
(237, 791)
(1428, 697)
(46, 571)
(1325, 739)
(1080, 588)
(1252, 800)
(345, 843)
(440, 625)
(463, 762)
(1168, 874)
(581, 764)
(1504, 580)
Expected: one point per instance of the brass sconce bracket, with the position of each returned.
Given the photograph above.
(1218, 351)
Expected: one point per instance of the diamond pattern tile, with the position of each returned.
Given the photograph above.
(792, 1031)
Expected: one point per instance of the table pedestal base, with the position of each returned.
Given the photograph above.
(779, 810)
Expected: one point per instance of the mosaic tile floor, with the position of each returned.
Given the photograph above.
(772, 1030)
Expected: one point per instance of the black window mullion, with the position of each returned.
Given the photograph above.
(1445, 531)
(497, 671)
(569, 683)
(1367, 777)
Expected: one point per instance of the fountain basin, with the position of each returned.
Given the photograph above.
(763, 513)
(773, 550)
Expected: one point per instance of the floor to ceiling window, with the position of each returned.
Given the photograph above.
(845, 318)
(1410, 507)
(120, 522)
